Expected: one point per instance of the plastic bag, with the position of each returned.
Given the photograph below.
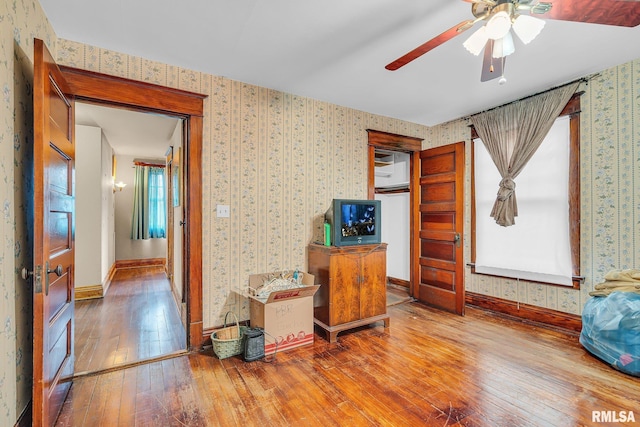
(611, 330)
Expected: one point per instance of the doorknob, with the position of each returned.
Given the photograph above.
(456, 239)
(58, 270)
(26, 274)
(37, 277)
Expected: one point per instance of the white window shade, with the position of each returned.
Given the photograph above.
(538, 246)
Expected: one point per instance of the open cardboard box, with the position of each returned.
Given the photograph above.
(286, 316)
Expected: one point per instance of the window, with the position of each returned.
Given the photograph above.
(149, 205)
(543, 246)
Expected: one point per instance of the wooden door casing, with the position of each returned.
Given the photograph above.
(53, 228)
(412, 146)
(441, 263)
(141, 96)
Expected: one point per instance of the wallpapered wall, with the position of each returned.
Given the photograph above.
(609, 191)
(20, 22)
(277, 159)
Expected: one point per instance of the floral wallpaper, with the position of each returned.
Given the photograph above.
(20, 22)
(609, 191)
(277, 159)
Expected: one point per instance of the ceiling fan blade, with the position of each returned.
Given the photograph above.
(431, 44)
(492, 68)
(607, 12)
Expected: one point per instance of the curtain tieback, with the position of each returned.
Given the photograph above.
(507, 187)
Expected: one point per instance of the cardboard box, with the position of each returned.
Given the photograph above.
(286, 316)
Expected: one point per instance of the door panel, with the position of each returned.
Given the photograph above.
(53, 225)
(439, 278)
(347, 270)
(437, 250)
(441, 281)
(373, 284)
(439, 221)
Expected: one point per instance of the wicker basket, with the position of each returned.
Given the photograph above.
(227, 341)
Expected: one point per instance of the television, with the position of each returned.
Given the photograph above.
(353, 222)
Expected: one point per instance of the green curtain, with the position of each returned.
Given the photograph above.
(149, 203)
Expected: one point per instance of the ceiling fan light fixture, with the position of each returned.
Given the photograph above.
(475, 43)
(499, 25)
(503, 47)
(527, 27)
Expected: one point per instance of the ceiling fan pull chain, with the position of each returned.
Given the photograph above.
(491, 66)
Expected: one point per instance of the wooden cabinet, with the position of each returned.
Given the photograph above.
(353, 286)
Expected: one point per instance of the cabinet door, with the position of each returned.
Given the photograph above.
(373, 284)
(345, 291)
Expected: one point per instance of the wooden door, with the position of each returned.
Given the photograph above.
(53, 226)
(168, 180)
(441, 265)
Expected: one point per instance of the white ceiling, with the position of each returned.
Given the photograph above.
(336, 50)
(130, 133)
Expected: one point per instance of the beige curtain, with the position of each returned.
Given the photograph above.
(512, 134)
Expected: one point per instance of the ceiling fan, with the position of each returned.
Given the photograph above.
(502, 16)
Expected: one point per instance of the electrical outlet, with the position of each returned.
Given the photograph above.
(222, 211)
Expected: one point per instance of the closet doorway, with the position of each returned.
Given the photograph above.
(436, 217)
(392, 162)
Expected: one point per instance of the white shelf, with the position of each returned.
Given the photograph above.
(392, 170)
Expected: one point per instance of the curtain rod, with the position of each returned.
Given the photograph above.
(581, 79)
(149, 162)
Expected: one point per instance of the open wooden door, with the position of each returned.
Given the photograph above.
(168, 175)
(441, 266)
(53, 230)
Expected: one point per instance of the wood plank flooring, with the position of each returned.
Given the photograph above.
(136, 320)
(428, 368)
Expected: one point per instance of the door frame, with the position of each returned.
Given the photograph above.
(412, 146)
(92, 87)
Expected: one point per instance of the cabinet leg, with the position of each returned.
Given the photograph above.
(333, 336)
(386, 322)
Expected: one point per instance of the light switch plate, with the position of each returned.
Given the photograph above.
(222, 211)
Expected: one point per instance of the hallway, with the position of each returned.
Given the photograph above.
(136, 320)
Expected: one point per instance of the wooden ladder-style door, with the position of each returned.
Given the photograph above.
(440, 252)
(53, 225)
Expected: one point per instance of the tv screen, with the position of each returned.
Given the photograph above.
(354, 222)
(358, 220)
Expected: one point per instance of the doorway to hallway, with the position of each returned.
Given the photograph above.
(137, 320)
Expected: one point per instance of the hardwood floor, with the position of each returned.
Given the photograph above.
(136, 320)
(428, 368)
(397, 295)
